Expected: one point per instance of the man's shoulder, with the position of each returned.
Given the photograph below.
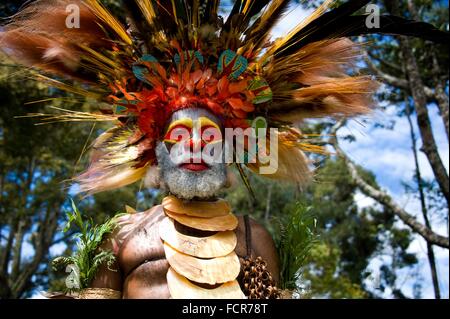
(129, 222)
(134, 218)
(257, 229)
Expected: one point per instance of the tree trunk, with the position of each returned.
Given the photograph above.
(6, 252)
(46, 230)
(428, 142)
(430, 252)
(5, 291)
(420, 102)
(17, 250)
(441, 97)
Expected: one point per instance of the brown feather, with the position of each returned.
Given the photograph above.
(293, 165)
(38, 37)
(315, 82)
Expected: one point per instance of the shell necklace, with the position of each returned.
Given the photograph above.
(202, 262)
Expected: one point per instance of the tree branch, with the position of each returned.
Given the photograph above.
(384, 62)
(393, 80)
(383, 198)
(46, 231)
(429, 146)
(67, 236)
(441, 96)
(417, 89)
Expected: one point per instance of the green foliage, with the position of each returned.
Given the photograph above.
(342, 239)
(295, 239)
(322, 278)
(89, 256)
(36, 165)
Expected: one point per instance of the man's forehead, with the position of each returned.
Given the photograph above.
(194, 114)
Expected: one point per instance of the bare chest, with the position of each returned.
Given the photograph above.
(143, 263)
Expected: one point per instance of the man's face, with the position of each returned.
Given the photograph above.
(191, 157)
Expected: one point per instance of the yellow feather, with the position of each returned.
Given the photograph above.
(247, 6)
(69, 116)
(148, 11)
(67, 87)
(103, 14)
(99, 56)
(117, 178)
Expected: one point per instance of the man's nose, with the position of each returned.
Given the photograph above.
(193, 144)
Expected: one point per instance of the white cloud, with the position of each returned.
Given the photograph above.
(58, 249)
(293, 17)
(363, 201)
(418, 246)
(387, 153)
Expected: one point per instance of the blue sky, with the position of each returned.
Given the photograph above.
(387, 153)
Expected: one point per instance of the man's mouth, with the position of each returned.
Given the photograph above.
(196, 167)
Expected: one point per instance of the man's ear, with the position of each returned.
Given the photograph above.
(152, 178)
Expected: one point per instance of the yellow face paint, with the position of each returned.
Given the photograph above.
(187, 122)
(204, 121)
(184, 127)
(190, 125)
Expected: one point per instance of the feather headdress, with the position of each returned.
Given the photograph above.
(167, 55)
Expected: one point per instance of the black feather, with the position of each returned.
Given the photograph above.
(322, 27)
(259, 36)
(164, 12)
(137, 22)
(234, 12)
(341, 23)
(210, 12)
(256, 8)
(240, 21)
(397, 26)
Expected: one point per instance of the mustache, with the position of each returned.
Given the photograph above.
(189, 184)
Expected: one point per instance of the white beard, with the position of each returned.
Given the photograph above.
(187, 184)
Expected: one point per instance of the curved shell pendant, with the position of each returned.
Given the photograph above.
(217, 245)
(181, 288)
(196, 208)
(209, 271)
(221, 223)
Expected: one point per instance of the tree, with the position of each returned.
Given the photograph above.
(33, 164)
(36, 163)
(416, 74)
(348, 237)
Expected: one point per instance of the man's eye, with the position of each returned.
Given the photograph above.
(177, 134)
(211, 134)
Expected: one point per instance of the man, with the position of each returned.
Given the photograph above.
(141, 268)
(171, 81)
